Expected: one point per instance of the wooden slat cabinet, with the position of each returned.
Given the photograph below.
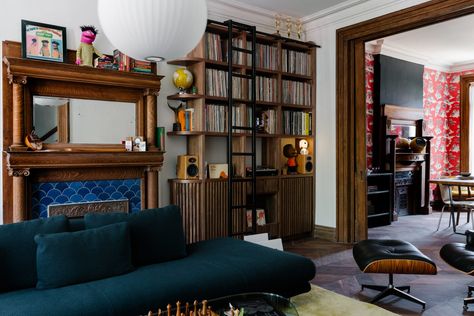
(288, 201)
(297, 208)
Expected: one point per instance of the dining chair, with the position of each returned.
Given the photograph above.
(455, 205)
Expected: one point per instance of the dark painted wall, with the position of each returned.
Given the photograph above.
(398, 82)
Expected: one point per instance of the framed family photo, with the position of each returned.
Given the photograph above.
(43, 41)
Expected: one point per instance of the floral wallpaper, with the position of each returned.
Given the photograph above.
(369, 101)
(441, 104)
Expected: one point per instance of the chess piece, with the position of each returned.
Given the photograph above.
(168, 310)
(187, 309)
(159, 312)
(204, 308)
(195, 307)
(178, 308)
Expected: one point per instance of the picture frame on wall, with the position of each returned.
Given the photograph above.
(43, 41)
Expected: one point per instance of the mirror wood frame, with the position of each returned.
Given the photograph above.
(23, 78)
(351, 173)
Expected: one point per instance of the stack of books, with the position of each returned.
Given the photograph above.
(126, 63)
(105, 63)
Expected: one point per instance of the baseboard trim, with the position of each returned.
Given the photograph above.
(325, 232)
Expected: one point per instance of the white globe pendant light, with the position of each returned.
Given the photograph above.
(153, 30)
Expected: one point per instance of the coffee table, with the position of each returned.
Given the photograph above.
(255, 304)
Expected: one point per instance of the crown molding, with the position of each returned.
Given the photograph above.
(354, 11)
(458, 67)
(331, 10)
(221, 10)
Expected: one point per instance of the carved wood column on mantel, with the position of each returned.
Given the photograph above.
(151, 95)
(18, 83)
(152, 173)
(19, 194)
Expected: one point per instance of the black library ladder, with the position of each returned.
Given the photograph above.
(250, 32)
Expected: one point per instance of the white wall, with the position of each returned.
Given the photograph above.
(321, 28)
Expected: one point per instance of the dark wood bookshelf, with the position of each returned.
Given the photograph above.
(288, 199)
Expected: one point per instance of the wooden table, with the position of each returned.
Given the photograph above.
(450, 182)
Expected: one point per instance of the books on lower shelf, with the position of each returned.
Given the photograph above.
(297, 123)
(296, 92)
(186, 119)
(296, 62)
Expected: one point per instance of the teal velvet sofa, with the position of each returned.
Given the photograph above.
(126, 264)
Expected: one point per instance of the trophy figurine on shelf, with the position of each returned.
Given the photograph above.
(277, 24)
(289, 26)
(179, 116)
(299, 29)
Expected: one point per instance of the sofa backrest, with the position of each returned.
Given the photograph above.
(18, 250)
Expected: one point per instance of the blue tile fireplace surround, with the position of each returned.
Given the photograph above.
(54, 193)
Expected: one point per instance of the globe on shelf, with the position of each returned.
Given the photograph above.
(183, 79)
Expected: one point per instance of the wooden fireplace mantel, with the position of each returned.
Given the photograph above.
(24, 78)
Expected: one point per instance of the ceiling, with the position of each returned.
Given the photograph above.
(295, 8)
(447, 44)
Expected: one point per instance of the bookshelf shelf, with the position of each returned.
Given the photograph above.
(185, 61)
(287, 110)
(185, 96)
(291, 76)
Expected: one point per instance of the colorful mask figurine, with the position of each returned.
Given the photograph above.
(86, 51)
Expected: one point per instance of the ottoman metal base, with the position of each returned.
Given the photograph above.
(390, 289)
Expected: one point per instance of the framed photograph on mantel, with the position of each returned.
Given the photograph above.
(43, 41)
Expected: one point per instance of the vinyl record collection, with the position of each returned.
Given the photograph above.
(297, 123)
(266, 89)
(216, 84)
(296, 62)
(216, 117)
(296, 92)
(266, 56)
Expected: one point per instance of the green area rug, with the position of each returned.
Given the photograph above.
(323, 302)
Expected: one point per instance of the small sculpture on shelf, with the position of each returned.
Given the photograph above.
(86, 51)
(33, 142)
(303, 144)
(179, 116)
(290, 152)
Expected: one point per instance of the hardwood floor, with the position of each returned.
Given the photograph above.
(443, 293)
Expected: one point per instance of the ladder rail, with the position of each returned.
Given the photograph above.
(231, 126)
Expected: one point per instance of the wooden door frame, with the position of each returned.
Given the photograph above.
(351, 179)
(465, 83)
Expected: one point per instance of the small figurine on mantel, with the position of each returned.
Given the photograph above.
(85, 52)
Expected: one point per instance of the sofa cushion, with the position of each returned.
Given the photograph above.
(77, 257)
(156, 234)
(212, 269)
(18, 250)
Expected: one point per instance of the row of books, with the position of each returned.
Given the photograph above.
(186, 119)
(266, 56)
(296, 62)
(296, 92)
(126, 63)
(216, 117)
(216, 84)
(266, 89)
(297, 123)
(214, 47)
